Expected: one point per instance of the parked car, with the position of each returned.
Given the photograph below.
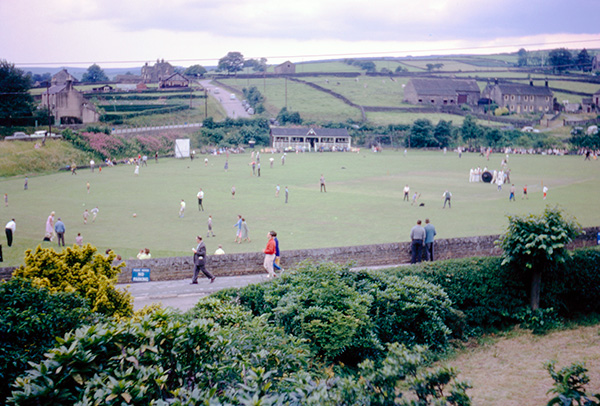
(232, 96)
(18, 136)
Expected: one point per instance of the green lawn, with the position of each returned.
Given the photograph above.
(363, 203)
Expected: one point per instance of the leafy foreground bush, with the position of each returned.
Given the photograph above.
(167, 359)
(81, 270)
(348, 316)
(495, 296)
(30, 320)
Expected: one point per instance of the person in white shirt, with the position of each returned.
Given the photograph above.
(10, 229)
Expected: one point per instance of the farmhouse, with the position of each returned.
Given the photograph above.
(441, 92)
(62, 77)
(68, 106)
(174, 81)
(519, 98)
(285, 68)
(160, 70)
(310, 139)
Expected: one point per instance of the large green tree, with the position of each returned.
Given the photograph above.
(584, 60)
(232, 62)
(470, 131)
(537, 244)
(522, 57)
(195, 70)
(15, 100)
(560, 59)
(94, 74)
(421, 134)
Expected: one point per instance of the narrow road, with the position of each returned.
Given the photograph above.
(230, 102)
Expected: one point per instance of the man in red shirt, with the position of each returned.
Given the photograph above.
(270, 255)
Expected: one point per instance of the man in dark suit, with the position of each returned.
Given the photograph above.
(200, 262)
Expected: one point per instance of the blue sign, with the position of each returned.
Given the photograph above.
(140, 275)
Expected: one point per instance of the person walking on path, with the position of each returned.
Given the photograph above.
(244, 235)
(430, 233)
(447, 199)
(269, 252)
(200, 196)
(322, 182)
(210, 227)
(417, 238)
(10, 229)
(238, 233)
(182, 208)
(277, 252)
(200, 262)
(50, 227)
(406, 192)
(59, 228)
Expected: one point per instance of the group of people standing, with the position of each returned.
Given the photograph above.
(422, 242)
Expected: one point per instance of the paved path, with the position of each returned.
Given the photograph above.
(180, 294)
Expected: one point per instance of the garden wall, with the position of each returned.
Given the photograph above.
(175, 268)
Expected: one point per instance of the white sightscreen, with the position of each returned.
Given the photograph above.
(182, 148)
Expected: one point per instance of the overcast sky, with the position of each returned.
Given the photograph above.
(116, 33)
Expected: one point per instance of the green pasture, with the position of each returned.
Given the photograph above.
(363, 203)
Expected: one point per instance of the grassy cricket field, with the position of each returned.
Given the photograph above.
(363, 204)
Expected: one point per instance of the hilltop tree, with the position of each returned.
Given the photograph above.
(584, 60)
(560, 59)
(195, 70)
(94, 74)
(232, 62)
(522, 57)
(257, 65)
(432, 66)
(15, 99)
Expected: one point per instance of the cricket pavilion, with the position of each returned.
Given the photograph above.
(310, 139)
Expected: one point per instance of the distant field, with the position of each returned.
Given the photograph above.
(363, 203)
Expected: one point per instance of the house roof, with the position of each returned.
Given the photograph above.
(54, 89)
(176, 76)
(519, 89)
(304, 131)
(444, 87)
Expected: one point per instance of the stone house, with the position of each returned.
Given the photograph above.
(154, 74)
(174, 81)
(62, 77)
(310, 139)
(519, 98)
(68, 106)
(285, 68)
(596, 99)
(441, 92)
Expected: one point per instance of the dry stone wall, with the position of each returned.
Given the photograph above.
(176, 268)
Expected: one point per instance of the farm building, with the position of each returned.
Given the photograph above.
(441, 92)
(519, 98)
(68, 106)
(61, 78)
(285, 68)
(174, 81)
(310, 139)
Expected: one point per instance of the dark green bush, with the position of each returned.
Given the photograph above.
(488, 294)
(30, 320)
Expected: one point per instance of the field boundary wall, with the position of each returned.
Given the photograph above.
(390, 254)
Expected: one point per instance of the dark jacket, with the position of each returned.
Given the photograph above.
(200, 254)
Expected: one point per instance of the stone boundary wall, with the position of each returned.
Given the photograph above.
(391, 254)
